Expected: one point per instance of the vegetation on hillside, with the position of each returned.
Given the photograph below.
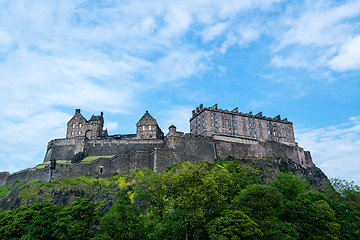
(191, 200)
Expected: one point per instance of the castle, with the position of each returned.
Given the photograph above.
(214, 133)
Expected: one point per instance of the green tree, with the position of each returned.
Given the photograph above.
(290, 185)
(350, 194)
(43, 224)
(123, 221)
(75, 220)
(151, 190)
(233, 225)
(14, 224)
(197, 193)
(312, 220)
(259, 201)
(240, 176)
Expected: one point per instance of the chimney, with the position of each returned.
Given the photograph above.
(201, 107)
(101, 114)
(77, 111)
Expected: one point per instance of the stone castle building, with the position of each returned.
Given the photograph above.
(214, 133)
(78, 126)
(213, 121)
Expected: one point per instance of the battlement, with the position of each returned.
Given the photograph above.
(235, 111)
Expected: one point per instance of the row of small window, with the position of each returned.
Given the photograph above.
(143, 127)
(73, 125)
(79, 132)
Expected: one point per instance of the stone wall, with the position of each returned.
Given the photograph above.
(155, 154)
(108, 146)
(3, 178)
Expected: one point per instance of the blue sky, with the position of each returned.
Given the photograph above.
(299, 59)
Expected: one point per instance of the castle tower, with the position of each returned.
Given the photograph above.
(147, 128)
(78, 126)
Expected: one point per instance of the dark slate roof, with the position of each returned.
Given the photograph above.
(96, 118)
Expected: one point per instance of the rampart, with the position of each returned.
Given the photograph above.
(155, 154)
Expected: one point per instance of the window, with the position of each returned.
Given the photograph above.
(72, 133)
(73, 126)
(149, 127)
(143, 128)
(80, 125)
(79, 132)
(93, 131)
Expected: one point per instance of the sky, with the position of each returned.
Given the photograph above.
(299, 59)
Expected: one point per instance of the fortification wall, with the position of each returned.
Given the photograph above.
(238, 147)
(105, 147)
(64, 149)
(157, 155)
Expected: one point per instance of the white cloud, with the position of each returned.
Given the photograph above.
(107, 55)
(320, 23)
(26, 142)
(292, 61)
(348, 57)
(111, 126)
(178, 116)
(214, 31)
(311, 33)
(335, 149)
(177, 21)
(179, 65)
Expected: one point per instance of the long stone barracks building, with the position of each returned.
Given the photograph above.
(214, 133)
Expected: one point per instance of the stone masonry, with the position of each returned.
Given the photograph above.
(213, 121)
(149, 148)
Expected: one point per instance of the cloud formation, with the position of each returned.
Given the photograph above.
(335, 149)
(113, 55)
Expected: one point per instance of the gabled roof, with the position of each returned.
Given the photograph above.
(146, 119)
(77, 113)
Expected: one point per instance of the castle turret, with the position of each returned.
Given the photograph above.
(172, 130)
